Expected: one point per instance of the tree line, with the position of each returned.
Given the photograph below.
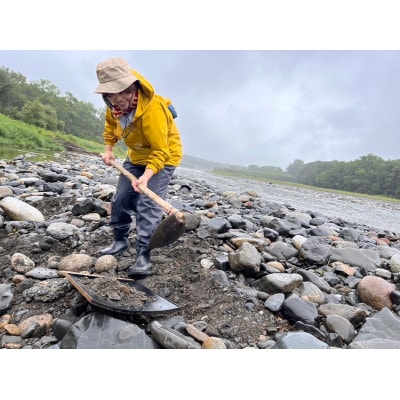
(369, 174)
(41, 103)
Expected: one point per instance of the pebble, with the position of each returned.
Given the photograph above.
(336, 282)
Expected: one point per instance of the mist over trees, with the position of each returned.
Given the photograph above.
(369, 174)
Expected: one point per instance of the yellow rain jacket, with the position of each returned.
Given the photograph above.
(152, 138)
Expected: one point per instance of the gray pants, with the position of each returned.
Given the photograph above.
(126, 202)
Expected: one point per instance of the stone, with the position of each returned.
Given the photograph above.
(19, 210)
(375, 291)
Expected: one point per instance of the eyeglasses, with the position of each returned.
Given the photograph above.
(126, 92)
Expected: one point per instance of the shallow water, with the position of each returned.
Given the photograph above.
(8, 153)
(373, 213)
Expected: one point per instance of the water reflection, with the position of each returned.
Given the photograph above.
(35, 155)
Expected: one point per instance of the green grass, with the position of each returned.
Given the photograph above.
(18, 134)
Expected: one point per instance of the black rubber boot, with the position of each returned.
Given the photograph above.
(119, 244)
(142, 266)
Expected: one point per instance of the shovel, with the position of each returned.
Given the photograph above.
(172, 227)
(150, 302)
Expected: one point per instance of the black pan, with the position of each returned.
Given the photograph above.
(142, 300)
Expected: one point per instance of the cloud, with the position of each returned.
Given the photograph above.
(254, 107)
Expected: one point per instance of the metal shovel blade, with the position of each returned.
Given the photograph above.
(170, 229)
(154, 303)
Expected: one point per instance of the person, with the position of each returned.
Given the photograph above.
(145, 121)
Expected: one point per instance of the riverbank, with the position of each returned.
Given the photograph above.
(206, 274)
(249, 271)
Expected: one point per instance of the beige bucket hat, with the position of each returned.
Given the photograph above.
(114, 76)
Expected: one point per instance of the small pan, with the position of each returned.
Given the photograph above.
(131, 298)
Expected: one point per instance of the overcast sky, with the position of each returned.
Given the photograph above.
(262, 107)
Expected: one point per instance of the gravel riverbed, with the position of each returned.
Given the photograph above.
(374, 213)
(221, 273)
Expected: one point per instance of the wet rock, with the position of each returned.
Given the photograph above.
(83, 207)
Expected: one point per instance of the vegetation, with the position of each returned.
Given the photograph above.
(18, 134)
(49, 119)
(369, 175)
(21, 135)
(40, 103)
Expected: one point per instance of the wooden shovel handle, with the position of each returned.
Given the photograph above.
(168, 208)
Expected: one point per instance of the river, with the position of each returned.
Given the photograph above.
(360, 210)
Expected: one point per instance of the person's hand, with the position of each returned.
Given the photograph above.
(107, 156)
(142, 180)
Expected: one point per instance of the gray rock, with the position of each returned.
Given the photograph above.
(315, 250)
(274, 302)
(281, 250)
(365, 258)
(279, 282)
(315, 279)
(246, 259)
(381, 331)
(169, 338)
(100, 331)
(47, 291)
(62, 230)
(354, 314)
(295, 309)
(341, 326)
(6, 297)
(299, 340)
(311, 292)
(284, 226)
